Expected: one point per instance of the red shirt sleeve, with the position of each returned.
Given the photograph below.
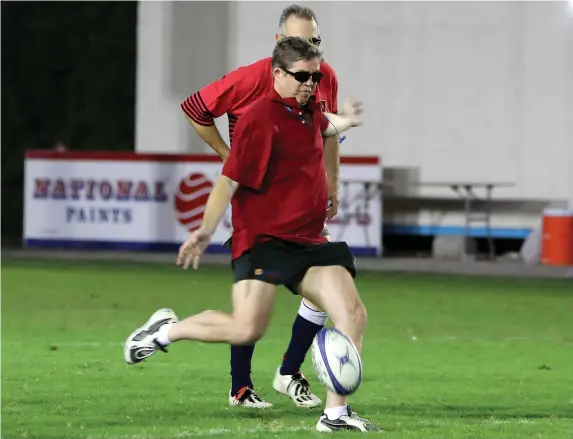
(220, 97)
(334, 91)
(251, 150)
(331, 87)
(228, 93)
(322, 121)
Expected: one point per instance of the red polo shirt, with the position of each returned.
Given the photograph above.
(237, 91)
(277, 159)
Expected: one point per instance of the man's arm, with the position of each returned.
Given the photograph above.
(194, 246)
(332, 164)
(332, 151)
(332, 158)
(340, 123)
(214, 100)
(217, 203)
(211, 136)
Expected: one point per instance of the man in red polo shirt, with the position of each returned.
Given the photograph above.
(234, 94)
(276, 178)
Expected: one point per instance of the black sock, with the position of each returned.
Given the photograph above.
(303, 333)
(241, 357)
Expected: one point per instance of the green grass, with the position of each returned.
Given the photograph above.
(444, 357)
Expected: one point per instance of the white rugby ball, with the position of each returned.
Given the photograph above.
(336, 361)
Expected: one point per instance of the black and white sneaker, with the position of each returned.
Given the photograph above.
(348, 422)
(247, 397)
(142, 342)
(297, 388)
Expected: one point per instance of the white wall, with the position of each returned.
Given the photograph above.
(181, 46)
(460, 90)
(157, 120)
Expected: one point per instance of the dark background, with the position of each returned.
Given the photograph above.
(68, 74)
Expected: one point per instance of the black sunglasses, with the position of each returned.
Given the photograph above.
(305, 76)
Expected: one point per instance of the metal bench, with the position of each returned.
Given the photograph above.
(466, 191)
(475, 208)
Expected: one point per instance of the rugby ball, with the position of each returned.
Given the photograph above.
(336, 361)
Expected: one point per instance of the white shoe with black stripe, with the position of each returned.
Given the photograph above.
(347, 422)
(297, 388)
(247, 397)
(141, 343)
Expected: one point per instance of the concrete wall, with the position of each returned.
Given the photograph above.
(452, 90)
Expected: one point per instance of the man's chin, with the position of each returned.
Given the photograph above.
(302, 98)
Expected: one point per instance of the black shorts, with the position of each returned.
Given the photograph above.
(285, 263)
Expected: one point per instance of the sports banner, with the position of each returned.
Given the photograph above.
(130, 201)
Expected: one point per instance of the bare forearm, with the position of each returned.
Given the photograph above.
(217, 203)
(338, 124)
(211, 136)
(332, 160)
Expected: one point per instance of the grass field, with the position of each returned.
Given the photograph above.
(444, 357)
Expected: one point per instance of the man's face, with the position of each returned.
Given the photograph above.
(299, 27)
(288, 86)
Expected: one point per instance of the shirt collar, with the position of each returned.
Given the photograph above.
(311, 104)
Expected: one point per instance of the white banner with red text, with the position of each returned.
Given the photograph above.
(129, 201)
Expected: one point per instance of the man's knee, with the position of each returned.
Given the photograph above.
(356, 311)
(246, 334)
(252, 306)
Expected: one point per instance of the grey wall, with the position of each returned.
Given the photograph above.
(199, 49)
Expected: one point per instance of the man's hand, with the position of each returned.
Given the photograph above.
(348, 118)
(352, 111)
(332, 209)
(193, 248)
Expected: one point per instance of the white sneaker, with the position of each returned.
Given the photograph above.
(142, 342)
(297, 388)
(247, 397)
(350, 421)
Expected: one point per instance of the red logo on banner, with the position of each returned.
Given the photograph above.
(191, 199)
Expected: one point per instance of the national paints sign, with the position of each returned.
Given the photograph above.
(92, 200)
(151, 201)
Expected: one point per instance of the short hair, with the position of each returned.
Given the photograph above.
(302, 12)
(289, 50)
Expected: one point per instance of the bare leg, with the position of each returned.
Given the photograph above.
(332, 288)
(252, 308)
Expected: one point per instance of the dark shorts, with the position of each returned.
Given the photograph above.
(285, 263)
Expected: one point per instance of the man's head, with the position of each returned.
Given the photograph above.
(299, 21)
(296, 68)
